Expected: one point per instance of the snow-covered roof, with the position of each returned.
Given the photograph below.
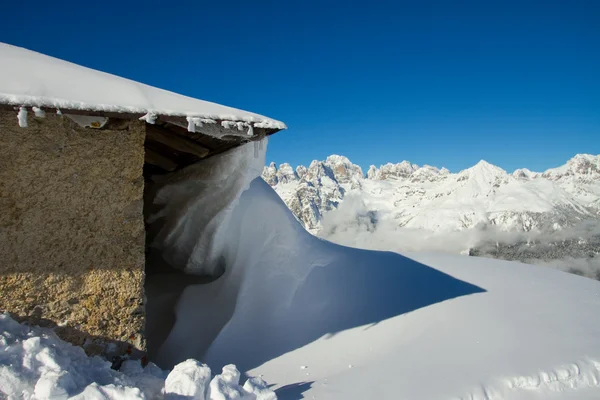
(28, 78)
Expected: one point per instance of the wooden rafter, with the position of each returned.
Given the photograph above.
(171, 139)
(155, 158)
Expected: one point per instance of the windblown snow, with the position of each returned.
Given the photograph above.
(28, 78)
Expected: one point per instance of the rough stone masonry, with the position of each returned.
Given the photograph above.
(72, 229)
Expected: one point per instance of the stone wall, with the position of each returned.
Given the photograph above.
(72, 229)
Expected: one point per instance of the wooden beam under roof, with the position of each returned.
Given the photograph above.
(171, 139)
(155, 158)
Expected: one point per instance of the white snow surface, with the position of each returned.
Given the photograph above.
(36, 365)
(28, 78)
(319, 320)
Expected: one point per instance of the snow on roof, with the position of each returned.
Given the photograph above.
(28, 78)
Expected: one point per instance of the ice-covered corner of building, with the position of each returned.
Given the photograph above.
(81, 150)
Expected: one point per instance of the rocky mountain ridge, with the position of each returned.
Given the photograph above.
(482, 194)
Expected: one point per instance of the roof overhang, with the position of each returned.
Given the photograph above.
(172, 141)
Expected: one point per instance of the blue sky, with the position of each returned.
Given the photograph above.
(445, 83)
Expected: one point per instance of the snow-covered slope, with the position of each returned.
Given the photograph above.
(528, 336)
(28, 78)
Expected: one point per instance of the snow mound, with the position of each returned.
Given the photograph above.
(28, 78)
(281, 288)
(35, 364)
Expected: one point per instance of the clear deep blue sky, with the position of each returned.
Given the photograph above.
(446, 83)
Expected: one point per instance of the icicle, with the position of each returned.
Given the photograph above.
(256, 144)
(191, 124)
(58, 112)
(149, 118)
(39, 112)
(250, 130)
(22, 117)
(240, 126)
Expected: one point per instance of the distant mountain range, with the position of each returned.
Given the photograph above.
(544, 208)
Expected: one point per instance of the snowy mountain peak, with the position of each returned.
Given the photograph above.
(343, 169)
(337, 159)
(483, 178)
(524, 173)
(428, 173)
(584, 158)
(301, 171)
(372, 172)
(580, 166)
(318, 170)
(484, 165)
(286, 173)
(403, 169)
(483, 169)
(270, 174)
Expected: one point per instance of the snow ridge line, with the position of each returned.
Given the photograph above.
(581, 374)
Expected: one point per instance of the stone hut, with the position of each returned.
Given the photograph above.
(75, 147)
